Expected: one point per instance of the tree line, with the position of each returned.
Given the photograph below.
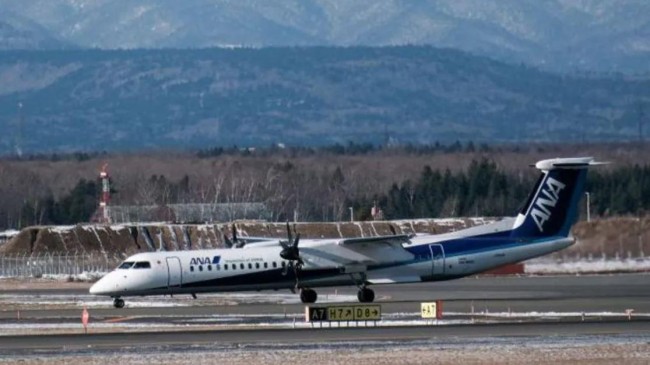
(290, 191)
(485, 190)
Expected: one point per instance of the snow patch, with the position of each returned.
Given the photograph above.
(8, 234)
(535, 314)
(65, 229)
(84, 276)
(166, 301)
(549, 266)
(130, 303)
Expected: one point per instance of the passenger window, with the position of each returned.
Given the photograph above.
(275, 264)
(126, 265)
(200, 267)
(266, 265)
(225, 266)
(283, 264)
(142, 265)
(192, 268)
(209, 267)
(250, 266)
(241, 266)
(257, 265)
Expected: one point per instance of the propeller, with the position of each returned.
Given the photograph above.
(291, 253)
(290, 250)
(234, 242)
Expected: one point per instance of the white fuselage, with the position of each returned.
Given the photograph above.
(259, 266)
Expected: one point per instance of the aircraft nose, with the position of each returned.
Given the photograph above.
(102, 287)
(97, 288)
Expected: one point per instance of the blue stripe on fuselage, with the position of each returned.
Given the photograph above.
(472, 245)
(467, 246)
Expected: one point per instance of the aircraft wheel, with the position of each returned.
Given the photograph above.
(366, 295)
(118, 303)
(308, 296)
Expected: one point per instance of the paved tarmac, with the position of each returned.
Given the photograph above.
(522, 294)
(612, 295)
(72, 342)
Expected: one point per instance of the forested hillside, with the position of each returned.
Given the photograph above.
(116, 100)
(319, 184)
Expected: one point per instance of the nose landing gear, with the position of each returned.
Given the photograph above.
(118, 303)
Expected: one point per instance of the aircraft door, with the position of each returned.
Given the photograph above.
(174, 272)
(437, 259)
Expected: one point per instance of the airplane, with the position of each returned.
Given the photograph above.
(542, 226)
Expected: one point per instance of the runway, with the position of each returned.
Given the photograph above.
(302, 337)
(475, 309)
(594, 293)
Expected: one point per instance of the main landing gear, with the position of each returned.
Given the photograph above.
(308, 295)
(118, 303)
(366, 295)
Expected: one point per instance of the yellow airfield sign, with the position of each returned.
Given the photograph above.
(338, 313)
(431, 310)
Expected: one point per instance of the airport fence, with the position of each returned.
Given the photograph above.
(73, 265)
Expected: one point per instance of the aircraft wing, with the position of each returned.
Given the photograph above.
(391, 240)
(376, 250)
(355, 254)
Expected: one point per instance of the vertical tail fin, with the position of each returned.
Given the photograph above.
(552, 207)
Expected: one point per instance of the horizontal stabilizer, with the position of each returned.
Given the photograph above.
(567, 163)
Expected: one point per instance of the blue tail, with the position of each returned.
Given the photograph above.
(552, 207)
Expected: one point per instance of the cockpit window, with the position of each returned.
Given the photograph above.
(142, 265)
(125, 265)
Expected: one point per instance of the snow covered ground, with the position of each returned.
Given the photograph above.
(15, 301)
(5, 236)
(545, 266)
(558, 350)
(134, 323)
(9, 233)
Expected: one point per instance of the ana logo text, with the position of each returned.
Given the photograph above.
(205, 260)
(547, 199)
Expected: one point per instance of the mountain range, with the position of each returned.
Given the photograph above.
(70, 100)
(557, 35)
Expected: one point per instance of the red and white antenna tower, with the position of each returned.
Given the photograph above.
(105, 199)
